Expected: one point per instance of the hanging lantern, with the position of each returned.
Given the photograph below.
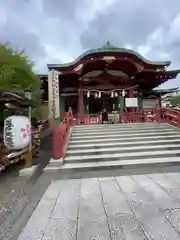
(99, 95)
(95, 95)
(88, 94)
(112, 94)
(116, 94)
(123, 93)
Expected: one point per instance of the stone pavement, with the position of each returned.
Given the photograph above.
(124, 207)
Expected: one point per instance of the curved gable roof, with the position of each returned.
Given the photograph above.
(108, 48)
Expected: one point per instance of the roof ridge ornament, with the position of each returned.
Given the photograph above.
(108, 46)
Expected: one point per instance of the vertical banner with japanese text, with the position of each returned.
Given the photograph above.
(53, 94)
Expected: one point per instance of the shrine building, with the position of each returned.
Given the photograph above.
(117, 79)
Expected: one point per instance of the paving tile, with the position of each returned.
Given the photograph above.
(106, 179)
(60, 229)
(175, 177)
(121, 220)
(89, 187)
(164, 181)
(127, 184)
(67, 203)
(92, 222)
(174, 217)
(152, 220)
(54, 190)
(36, 225)
(63, 221)
(160, 196)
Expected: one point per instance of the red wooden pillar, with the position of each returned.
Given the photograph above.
(131, 93)
(81, 106)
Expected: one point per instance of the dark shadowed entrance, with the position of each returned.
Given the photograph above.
(96, 105)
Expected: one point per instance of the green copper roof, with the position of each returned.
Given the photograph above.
(164, 91)
(170, 90)
(109, 49)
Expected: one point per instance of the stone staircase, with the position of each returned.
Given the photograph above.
(120, 145)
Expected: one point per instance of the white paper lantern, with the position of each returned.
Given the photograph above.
(116, 94)
(123, 93)
(17, 132)
(95, 95)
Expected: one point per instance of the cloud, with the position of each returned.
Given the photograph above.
(55, 31)
(129, 22)
(16, 28)
(150, 27)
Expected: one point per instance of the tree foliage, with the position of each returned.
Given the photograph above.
(17, 75)
(174, 101)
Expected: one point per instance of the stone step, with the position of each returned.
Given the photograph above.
(108, 165)
(126, 156)
(125, 138)
(124, 135)
(147, 142)
(115, 149)
(119, 131)
(117, 126)
(93, 126)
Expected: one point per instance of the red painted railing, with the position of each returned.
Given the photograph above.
(135, 117)
(158, 115)
(60, 138)
(123, 118)
(170, 116)
(89, 119)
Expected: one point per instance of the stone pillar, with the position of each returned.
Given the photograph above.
(50, 115)
(81, 105)
(53, 96)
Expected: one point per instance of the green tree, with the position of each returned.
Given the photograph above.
(174, 101)
(17, 75)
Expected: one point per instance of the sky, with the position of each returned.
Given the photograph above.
(58, 31)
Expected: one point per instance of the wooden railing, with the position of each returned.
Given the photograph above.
(117, 118)
(168, 115)
(88, 119)
(158, 115)
(135, 117)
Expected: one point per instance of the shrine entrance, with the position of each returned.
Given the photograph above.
(96, 105)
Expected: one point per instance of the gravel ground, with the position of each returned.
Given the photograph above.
(18, 194)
